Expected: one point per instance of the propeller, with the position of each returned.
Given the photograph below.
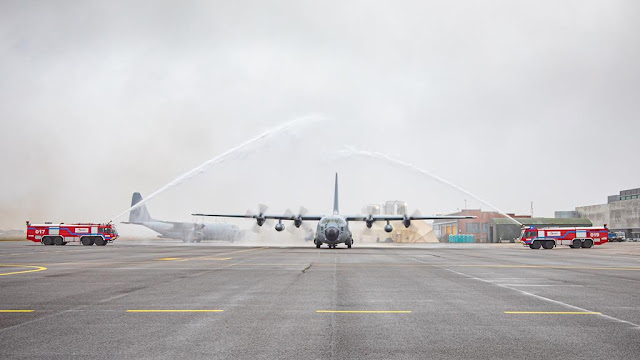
(297, 219)
(259, 216)
(410, 224)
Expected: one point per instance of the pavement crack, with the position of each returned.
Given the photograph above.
(307, 268)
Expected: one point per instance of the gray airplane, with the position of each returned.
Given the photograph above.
(185, 231)
(334, 229)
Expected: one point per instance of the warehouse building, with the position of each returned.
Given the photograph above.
(620, 213)
(478, 227)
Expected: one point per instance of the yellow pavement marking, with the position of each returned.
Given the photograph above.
(16, 311)
(33, 269)
(170, 259)
(364, 311)
(166, 311)
(555, 312)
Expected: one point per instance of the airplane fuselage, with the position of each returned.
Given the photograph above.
(332, 230)
(189, 232)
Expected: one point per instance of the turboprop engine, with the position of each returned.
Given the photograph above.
(406, 221)
(369, 221)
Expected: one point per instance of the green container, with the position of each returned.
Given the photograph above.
(461, 238)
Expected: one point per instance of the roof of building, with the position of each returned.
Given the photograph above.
(543, 221)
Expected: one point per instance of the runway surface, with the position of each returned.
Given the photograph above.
(168, 301)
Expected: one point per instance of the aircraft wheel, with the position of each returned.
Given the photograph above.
(587, 243)
(576, 244)
(536, 245)
(58, 240)
(100, 241)
(317, 245)
(47, 240)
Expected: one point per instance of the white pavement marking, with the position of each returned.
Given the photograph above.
(34, 320)
(537, 296)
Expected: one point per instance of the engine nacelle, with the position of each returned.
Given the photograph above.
(369, 221)
(260, 220)
(406, 222)
(388, 228)
(297, 222)
(279, 226)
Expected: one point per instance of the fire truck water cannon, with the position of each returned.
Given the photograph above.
(61, 234)
(574, 237)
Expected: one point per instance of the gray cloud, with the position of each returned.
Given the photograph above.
(515, 101)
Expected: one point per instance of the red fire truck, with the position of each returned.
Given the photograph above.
(61, 234)
(575, 237)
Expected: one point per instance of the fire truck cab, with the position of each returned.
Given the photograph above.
(574, 237)
(61, 234)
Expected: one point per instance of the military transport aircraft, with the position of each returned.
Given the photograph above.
(185, 231)
(334, 229)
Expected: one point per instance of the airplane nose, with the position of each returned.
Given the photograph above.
(331, 233)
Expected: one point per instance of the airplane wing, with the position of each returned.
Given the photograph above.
(402, 217)
(274, 217)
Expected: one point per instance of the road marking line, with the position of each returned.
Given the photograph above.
(166, 311)
(16, 311)
(364, 311)
(214, 259)
(540, 285)
(545, 298)
(34, 269)
(555, 312)
(171, 259)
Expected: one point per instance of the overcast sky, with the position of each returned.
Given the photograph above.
(516, 101)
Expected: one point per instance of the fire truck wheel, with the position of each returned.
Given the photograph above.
(100, 241)
(547, 244)
(86, 240)
(576, 244)
(536, 245)
(47, 240)
(587, 243)
(58, 240)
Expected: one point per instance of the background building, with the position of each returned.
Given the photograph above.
(478, 227)
(620, 213)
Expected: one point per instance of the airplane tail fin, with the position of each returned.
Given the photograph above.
(140, 214)
(335, 198)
